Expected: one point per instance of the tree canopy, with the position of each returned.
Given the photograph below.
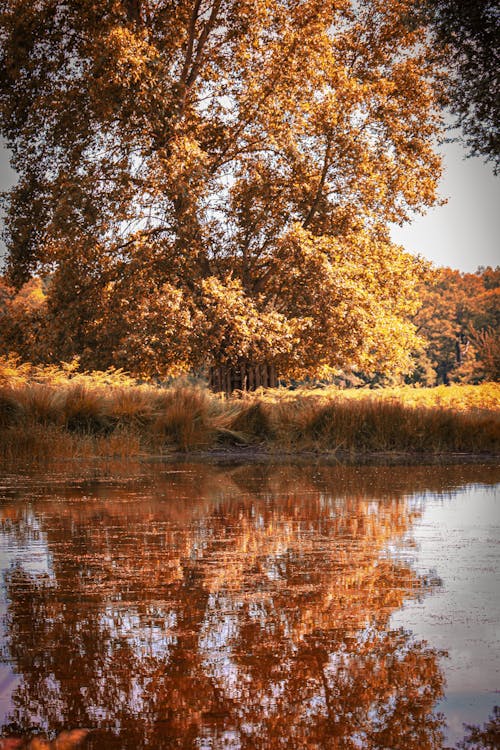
(460, 321)
(211, 181)
(468, 33)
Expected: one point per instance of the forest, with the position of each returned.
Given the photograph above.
(210, 183)
(205, 191)
(459, 321)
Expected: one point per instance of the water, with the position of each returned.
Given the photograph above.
(256, 606)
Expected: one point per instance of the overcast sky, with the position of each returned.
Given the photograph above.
(463, 234)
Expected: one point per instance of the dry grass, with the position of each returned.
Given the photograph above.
(49, 412)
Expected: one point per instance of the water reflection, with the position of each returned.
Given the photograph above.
(202, 607)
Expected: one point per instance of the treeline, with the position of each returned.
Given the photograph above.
(458, 324)
(459, 321)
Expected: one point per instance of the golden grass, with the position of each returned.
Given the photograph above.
(424, 420)
(55, 412)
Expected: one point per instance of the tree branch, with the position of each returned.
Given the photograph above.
(190, 44)
(317, 197)
(201, 43)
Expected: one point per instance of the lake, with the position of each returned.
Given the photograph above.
(193, 605)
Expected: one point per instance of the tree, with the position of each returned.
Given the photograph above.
(460, 319)
(22, 320)
(467, 31)
(180, 161)
(486, 738)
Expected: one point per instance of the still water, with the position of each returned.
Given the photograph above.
(254, 606)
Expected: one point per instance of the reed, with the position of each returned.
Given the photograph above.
(63, 414)
(182, 416)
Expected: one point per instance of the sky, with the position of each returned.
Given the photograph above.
(463, 234)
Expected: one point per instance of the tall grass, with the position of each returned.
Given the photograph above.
(56, 412)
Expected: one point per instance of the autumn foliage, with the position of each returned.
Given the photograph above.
(457, 324)
(460, 321)
(210, 182)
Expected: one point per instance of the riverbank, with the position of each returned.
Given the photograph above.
(55, 412)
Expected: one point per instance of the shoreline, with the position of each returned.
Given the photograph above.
(248, 455)
(256, 454)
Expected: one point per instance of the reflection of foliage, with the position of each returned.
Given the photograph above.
(65, 740)
(255, 612)
(487, 738)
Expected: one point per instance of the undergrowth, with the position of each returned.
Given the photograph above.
(60, 412)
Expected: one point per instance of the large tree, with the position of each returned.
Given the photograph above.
(210, 181)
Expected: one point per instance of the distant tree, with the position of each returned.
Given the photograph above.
(469, 33)
(460, 321)
(211, 181)
(485, 738)
(23, 320)
(482, 359)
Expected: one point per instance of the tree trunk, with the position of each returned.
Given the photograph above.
(244, 377)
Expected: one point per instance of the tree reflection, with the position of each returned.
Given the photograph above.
(253, 614)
